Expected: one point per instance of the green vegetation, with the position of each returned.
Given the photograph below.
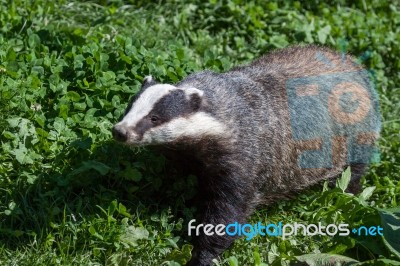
(69, 195)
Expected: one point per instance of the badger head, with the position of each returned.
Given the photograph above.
(163, 114)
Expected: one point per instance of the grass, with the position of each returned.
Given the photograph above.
(69, 195)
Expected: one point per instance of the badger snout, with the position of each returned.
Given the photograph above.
(120, 133)
(123, 133)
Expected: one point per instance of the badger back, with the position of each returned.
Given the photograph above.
(327, 102)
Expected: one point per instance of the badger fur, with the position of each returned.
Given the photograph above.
(261, 132)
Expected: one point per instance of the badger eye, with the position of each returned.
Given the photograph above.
(154, 119)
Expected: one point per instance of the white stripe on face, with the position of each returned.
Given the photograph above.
(195, 126)
(145, 103)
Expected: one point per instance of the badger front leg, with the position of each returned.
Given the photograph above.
(229, 200)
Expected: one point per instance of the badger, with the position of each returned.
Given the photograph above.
(260, 132)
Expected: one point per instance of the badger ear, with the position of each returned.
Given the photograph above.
(195, 97)
(192, 90)
(148, 80)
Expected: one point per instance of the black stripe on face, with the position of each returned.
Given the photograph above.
(171, 106)
(142, 126)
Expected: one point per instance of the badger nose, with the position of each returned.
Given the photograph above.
(120, 133)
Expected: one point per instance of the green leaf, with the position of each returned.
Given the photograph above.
(33, 40)
(180, 54)
(78, 61)
(323, 259)
(112, 207)
(171, 243)
(122, 210)
(132, 234)
(22, 155)
(257, 259)
(14, 122)
(390, 219)
(80, 106)
(344, 180)
(73, 96)
(101, 168)
(131, 174)
(367, 193)
(59, 124)
(233, 261)
(180, 256)
(323, 33)
(40, 119)
(64, 111)
(93, 232)
(9, 135)
(98, 166)
(38, 70)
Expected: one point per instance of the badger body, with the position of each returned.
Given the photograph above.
(261, 132)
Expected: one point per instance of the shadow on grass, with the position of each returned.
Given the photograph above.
(65, 205)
